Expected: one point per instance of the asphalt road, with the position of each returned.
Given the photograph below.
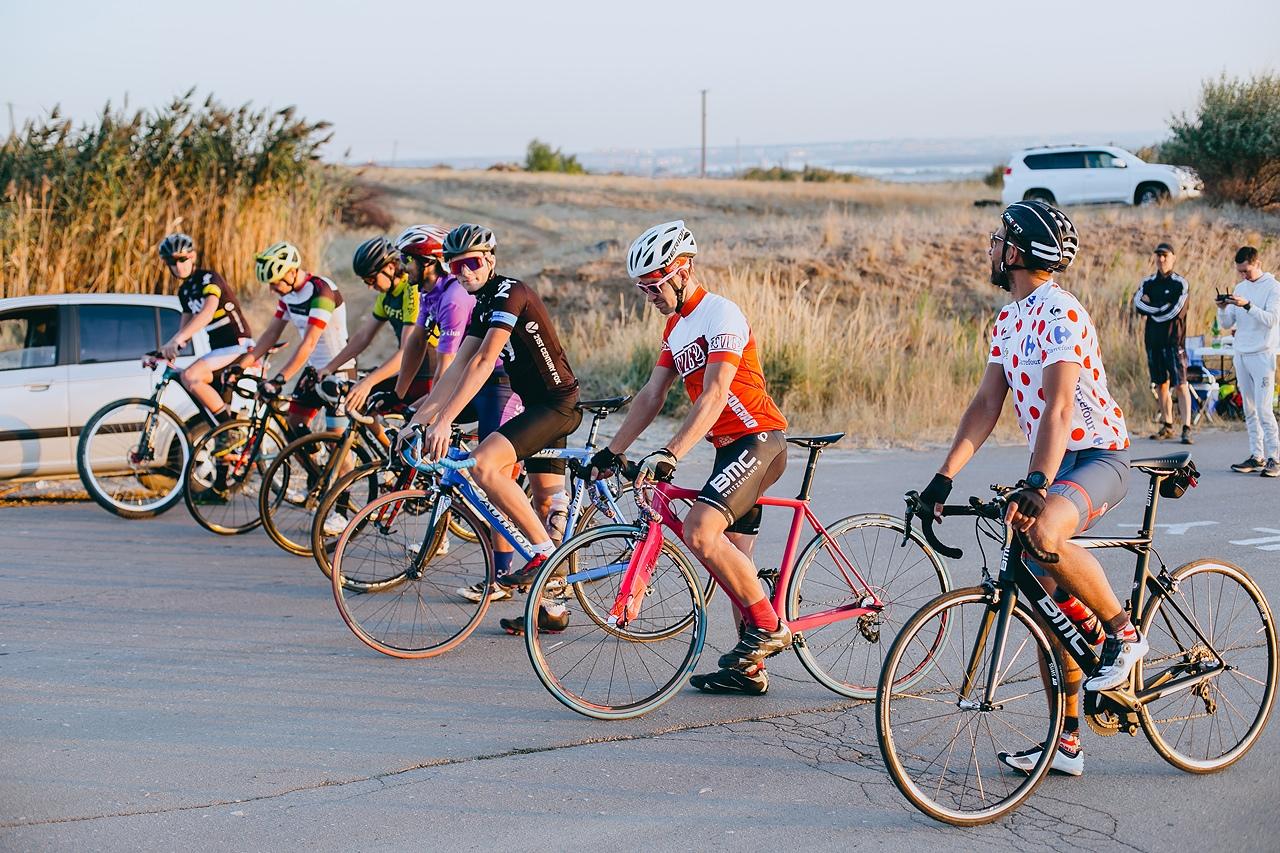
(164, 688)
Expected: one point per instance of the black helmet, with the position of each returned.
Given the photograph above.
(372, 255)
(176, 244)
(468, 238)
(1043, 234)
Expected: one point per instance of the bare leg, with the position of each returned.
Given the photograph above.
(196, 379)
(704, 533)
(1077, 569)
(1184, 399)
(1166, 402)
(495, 457)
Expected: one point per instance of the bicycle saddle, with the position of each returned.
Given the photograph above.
(812, 441)
(609, 404)
(1161, 464)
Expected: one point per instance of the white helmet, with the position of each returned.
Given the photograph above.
(659, 246)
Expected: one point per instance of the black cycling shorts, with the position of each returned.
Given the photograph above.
(740, 475)
(1167, 364)
(542, 426)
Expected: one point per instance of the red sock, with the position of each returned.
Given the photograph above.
(762, 615)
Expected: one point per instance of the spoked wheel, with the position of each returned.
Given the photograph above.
(1212, 724)
(225, 474)
(131, 455)
(396, 583)
(847, 654)
(593, 666)
(941, 743)
(351, 493)
(296, 483)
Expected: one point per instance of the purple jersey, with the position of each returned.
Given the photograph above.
(446, 308)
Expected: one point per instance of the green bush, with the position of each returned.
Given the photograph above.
(1233, 140)
(995, 178)
(809, 174)
(541, 157)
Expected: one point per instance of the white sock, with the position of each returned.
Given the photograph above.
(543, 547)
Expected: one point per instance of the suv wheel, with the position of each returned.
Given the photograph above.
(1039, 195)
(1149, 195)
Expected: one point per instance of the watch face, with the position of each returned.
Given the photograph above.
(1037, 480)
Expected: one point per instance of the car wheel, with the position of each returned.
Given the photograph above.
(1149, 195)
(1039, 195)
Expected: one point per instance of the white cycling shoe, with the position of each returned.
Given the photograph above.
(1064, 761)
(1119, 656)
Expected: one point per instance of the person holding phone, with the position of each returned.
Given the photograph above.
(1253, 310)
(1162, 299)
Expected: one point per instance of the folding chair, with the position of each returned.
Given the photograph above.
(1202, 381)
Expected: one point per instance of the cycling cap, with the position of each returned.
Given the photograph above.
(372, 255)
(469, 238)
(659, 246)
(1043, 234)
(176, 244)
(423, 241)
(274, 262)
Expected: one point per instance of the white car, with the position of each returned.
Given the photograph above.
(1079, 174)
(63, 357)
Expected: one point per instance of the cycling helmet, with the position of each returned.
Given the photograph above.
(275, 261)
(659, 246)
(423, 241)
(372, 255)
(176, 244)
(468, 238)
(1043, 234)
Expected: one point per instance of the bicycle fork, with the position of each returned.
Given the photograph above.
(635, 582)
(998, 612)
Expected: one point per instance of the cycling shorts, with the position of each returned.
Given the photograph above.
(742, 471)
(1095, 481)
(217, 359)
(542, 426)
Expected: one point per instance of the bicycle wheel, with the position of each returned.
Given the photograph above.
(296, 482)
(352, 492)
(395, 601)
(1213, 724)
(599, 670)
(224, 476)
(131, 455)
(846, 655)
(939, 744)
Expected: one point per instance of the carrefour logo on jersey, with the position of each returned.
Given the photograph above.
(1028, 346)
(1059, 334)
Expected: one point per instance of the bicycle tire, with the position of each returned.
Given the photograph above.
(1171, 636)
(355, 485)
(203, 494)
(599, 699)
(275, 499)
(897, 752)
(368, 605)
(95, 483)
(909, 577)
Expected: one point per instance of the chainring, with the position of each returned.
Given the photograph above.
(1105, 717)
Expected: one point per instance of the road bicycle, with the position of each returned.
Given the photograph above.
(638, 615)
(396, 584)
(132, 452)
(1201, 695)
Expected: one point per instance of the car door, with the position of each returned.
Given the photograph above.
(1060, 172)
(1104, 181)
(33, 393)
(110, 342)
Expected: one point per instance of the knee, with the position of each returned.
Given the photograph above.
(701, 534)
(1047, 537)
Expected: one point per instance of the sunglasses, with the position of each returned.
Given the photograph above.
(457, 265)
(177, 259)
(651, 285)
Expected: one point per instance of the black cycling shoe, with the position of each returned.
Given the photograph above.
(753, 681)
(756, 644)
(525, 576)
(548, 623)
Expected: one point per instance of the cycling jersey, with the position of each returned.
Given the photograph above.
(444, 312)
(709, 329)
(229, 325)
(533, 358)
(318, 303)
(1050, 326)
(399, 306)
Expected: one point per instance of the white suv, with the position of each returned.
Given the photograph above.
(1078, 174)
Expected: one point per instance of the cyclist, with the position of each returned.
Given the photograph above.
(208, 303)
(509, 320)
(377, 263)
(1044, 348)
(314, 306)
(708, 343)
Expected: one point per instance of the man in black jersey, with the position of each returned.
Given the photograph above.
(509, 322)
(1162, 299)
(208, 303)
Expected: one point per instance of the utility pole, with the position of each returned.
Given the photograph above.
(703, 170)
(12, 131)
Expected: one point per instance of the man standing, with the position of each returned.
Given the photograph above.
(1253, 309)
(1162, 297)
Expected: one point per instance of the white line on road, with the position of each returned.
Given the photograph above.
(1174, 528)
(1263, 543)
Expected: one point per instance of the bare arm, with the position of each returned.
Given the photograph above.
(356, 344)
(707, 409)
(413, 348)
(978, 421)
(304, 350)
(269, 337)
(444, 389)
(191, 325)
(644, 408)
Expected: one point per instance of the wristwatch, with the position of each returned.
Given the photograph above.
(1037, 480)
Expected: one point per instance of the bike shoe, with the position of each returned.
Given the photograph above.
(525, 576)
(756, 644)
(1118, 659)
(548, 622)
(753, 681)
(497, 592)
(1066, 760)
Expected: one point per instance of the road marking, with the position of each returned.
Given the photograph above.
(1175, 528)
(1263, 543)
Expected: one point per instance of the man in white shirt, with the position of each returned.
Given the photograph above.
(1253, 310)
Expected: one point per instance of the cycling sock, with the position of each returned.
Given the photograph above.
(502, 562)
(543, 547)
(1071, 726)
(1120, 626)
(223, 415)
(762, 615)
(1070, 741)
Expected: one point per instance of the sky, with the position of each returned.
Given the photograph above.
(433, 79)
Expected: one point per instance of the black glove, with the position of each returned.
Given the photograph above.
(937, 492)
(605, 463)
(1030, 502)
(659, 465)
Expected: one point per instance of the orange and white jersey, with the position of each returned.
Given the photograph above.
(710, 329)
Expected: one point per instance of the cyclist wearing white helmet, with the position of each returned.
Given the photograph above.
(314, 306)
(708, 343)
(208, 303)
(1045, 349)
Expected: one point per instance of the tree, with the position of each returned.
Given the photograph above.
(541, 157)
